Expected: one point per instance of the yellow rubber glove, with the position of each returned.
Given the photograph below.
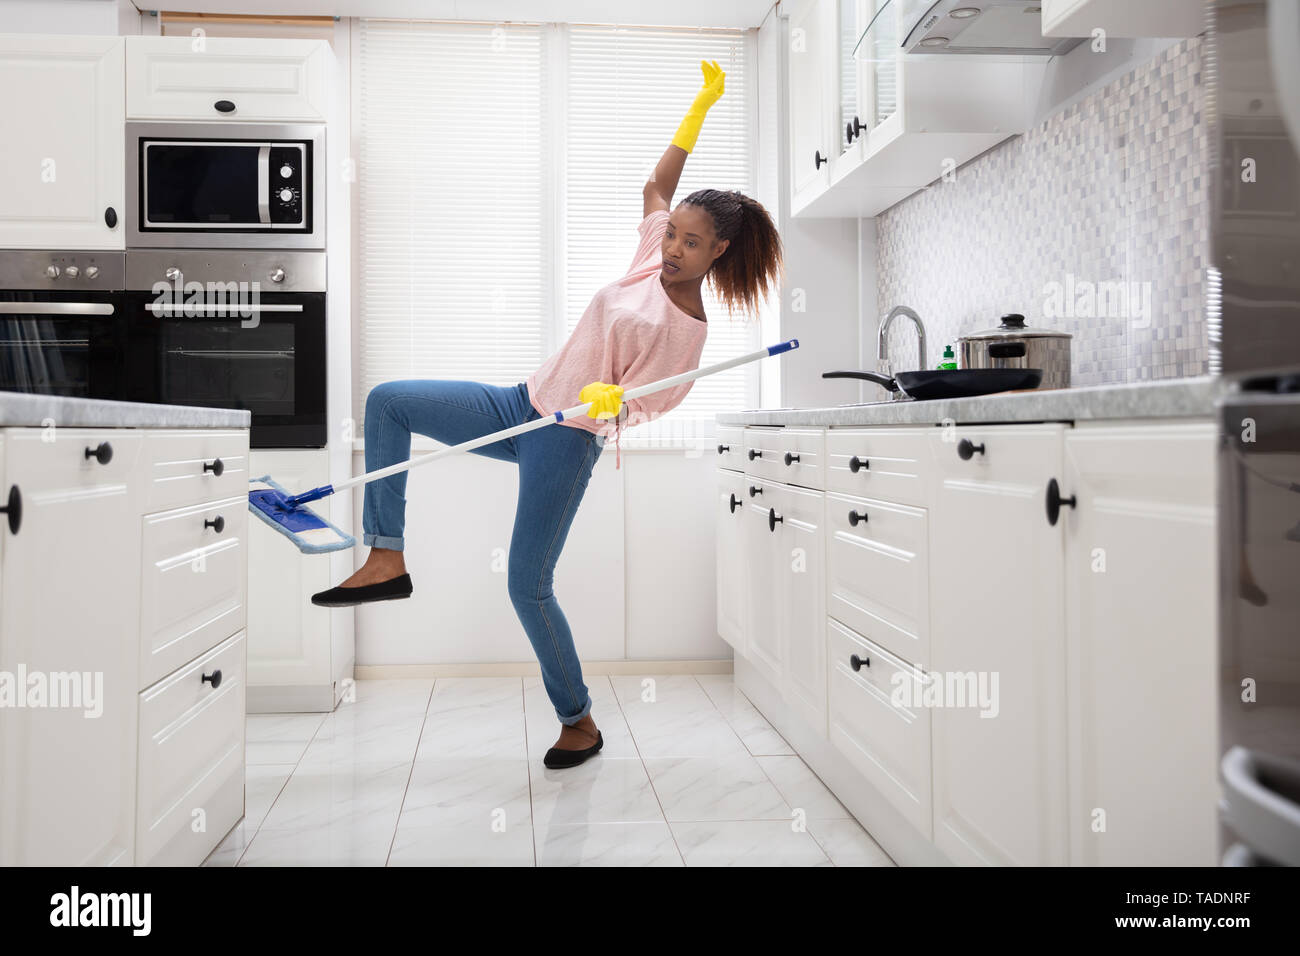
(606, 400)
(706, 97)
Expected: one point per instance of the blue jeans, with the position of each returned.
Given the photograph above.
(555, 464)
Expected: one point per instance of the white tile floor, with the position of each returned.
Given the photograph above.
(449, 772)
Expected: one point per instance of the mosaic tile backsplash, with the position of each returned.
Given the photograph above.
(1093, 223)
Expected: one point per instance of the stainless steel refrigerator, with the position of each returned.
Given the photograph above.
(1253, 110)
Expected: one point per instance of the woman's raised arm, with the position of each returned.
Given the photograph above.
(659, 188)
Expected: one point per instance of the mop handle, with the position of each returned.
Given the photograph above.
(545, 420)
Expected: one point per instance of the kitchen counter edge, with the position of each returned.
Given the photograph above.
(1171, 398)
(22, 410)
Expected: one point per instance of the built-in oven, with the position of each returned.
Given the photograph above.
(231, 329)
(61, 323)
(225, 185)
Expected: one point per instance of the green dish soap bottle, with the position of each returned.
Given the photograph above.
(949, 360)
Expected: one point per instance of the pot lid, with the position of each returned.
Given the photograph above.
(1013, 327)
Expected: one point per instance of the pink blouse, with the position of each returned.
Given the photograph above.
(630, 334)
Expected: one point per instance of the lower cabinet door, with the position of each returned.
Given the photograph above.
(69, 636)
(191, 757)
(879, 722)
(801, 575)
(763, 555)
(997, 647)
(730, 558)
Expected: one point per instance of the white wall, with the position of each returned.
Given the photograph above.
(98, 17)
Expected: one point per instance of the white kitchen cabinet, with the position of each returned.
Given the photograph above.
(227, 78)
(797, 517)
(811, 108)
(69, 619)
(732, 558)
(1123, 18)
(1141, 643)
(62, 160)
(997, 636)
(764, 647)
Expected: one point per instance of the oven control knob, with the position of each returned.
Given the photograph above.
(276, 275)
(72, 272)
(286, 171)
(92, 272)
(286, 195)
(52, 272)
(172, 273)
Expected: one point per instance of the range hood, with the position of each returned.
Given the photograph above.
(996, 27)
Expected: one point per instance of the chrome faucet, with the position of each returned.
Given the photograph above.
(882, 362)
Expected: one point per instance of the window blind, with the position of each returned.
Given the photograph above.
(626, 91)
(453, 265)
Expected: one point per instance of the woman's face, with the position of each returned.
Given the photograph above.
(690, 245)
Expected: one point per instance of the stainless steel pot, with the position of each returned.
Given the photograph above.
(1013, 345)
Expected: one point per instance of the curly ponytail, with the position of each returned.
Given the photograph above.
(743, 275)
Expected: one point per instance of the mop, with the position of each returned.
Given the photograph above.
(312, 534)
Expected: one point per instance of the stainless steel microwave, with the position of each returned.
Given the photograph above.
(225, 185)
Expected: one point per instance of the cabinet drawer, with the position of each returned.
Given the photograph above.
(193, 576)
(284, 80)
(889, 744)
(52, 463)
(969, 455)
(877, 573)
(191, 741)
(183, 466)
(795, 456)
(890, 464)
(731, 447)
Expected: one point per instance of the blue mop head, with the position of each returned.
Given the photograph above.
(308, 530)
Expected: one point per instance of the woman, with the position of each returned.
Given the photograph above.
(646, 326)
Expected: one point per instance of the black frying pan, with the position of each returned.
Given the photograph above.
(951, 383)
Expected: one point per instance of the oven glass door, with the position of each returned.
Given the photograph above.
(271, 363)
(217, 186)
(61, 343)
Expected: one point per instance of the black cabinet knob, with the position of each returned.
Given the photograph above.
(102, 453)
(110, 217)
(857, 663)
(855, 463)
(723, 448)
(218, 524)
(216, 467)
(854, 518)
(14, 509)
(1054, 501)
(734, 502)
(214, 679)
(790, 459)
(966, 450)
(224, 106)
(853, 129)
(754, 490)
(754, 453)
(773, 518)
(817, 154)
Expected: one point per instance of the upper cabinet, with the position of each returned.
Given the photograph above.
(61, 162)
(1123, 18)
(227, 78)
(870, 125)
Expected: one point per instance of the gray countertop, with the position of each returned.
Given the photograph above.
(19, 409)
(1168, 398)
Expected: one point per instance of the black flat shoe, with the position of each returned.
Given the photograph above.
(557, 759)
(391, 590)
